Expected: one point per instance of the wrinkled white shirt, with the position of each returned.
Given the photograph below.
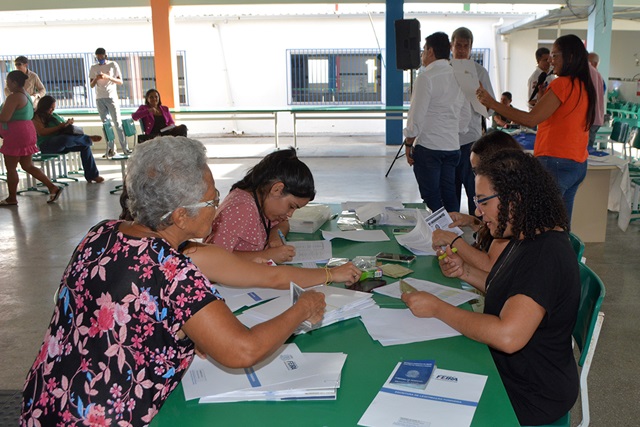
(436, 113)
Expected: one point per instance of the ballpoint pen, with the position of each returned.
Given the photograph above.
(284, 241)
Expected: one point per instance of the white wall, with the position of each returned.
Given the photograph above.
(254, 74)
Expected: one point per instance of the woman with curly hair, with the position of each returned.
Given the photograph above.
(564, 114)
(531, 294)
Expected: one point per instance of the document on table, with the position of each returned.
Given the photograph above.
(311, 250)
(348, 206)
(450, 400)
(441, 219)
(236, 298)
(357, 236)
(286, 375)
(342, 304)
(419, 239)
(466, 75)
(447, 294)
(391, 326)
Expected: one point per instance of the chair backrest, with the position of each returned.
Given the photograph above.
(591, 296)
(634, 139)
(129, 127)
(619, 131)
(577, 244)
(109, 134)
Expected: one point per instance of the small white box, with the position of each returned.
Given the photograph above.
(309, 219)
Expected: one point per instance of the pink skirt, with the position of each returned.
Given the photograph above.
(19, 138)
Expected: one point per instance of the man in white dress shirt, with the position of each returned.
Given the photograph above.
(435, 118)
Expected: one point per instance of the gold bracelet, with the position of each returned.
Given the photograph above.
(329, 278)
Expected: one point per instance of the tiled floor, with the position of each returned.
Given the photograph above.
(37, 241)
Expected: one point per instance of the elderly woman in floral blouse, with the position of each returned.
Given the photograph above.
(131, 309)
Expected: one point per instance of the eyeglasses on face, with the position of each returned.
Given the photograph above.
(208, 204)
(482, 201)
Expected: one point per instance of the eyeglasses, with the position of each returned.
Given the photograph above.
(208, 204)
(482, 201)
(553, 55)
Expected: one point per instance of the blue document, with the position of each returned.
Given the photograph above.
(414, 373)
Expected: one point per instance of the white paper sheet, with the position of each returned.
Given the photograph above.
(447, 294)
(311, 250)
(236, 298)
(441, 219)
(450, 400)
(419, 239)
(466, 75)
(399, 326)
(346, 206)
(357, 236)
(207, 377)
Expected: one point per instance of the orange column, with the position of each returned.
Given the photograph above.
(165, 61)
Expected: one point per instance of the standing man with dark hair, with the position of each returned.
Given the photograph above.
(544, 66)
(33, 86)
(105, 76)
(461, 44)
(435, 117)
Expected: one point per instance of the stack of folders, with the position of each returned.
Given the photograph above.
(342, 304)
(287, 375)
(236, 298)
(419, 394)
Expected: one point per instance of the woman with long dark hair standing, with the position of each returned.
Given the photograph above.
(563, 115)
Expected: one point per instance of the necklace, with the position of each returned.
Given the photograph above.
(265, 224)
(504, 261)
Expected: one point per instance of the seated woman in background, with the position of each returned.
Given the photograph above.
(532, 292)
(156, 118)
(55, 136)
(132, 309)
(260, 205)
(484, 252)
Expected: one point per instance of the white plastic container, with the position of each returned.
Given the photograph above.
(309, 219)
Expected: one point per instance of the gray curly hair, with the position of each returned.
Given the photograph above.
(162, 175)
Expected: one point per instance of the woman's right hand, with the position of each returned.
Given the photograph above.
(314, 304)
(442, 237)
(280, 254)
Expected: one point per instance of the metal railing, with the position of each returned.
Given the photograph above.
(66, 76)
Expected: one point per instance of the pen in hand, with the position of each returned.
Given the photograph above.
(444, 255)
(284, 241)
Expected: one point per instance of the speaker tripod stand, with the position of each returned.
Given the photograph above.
(398, 155)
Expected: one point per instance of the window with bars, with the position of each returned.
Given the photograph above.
(66, 76)
(334, 76)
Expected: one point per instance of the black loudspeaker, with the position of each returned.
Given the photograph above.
(407, 44)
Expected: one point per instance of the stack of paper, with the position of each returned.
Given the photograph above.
(342, 304)
(287, 375)
(449, 400)
(447, 294)
(236, 298)
(399, 326)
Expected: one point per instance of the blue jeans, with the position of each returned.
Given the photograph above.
(464, 176)
(435, 171)
(568, 174)
(62, 144)
(110, 108)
